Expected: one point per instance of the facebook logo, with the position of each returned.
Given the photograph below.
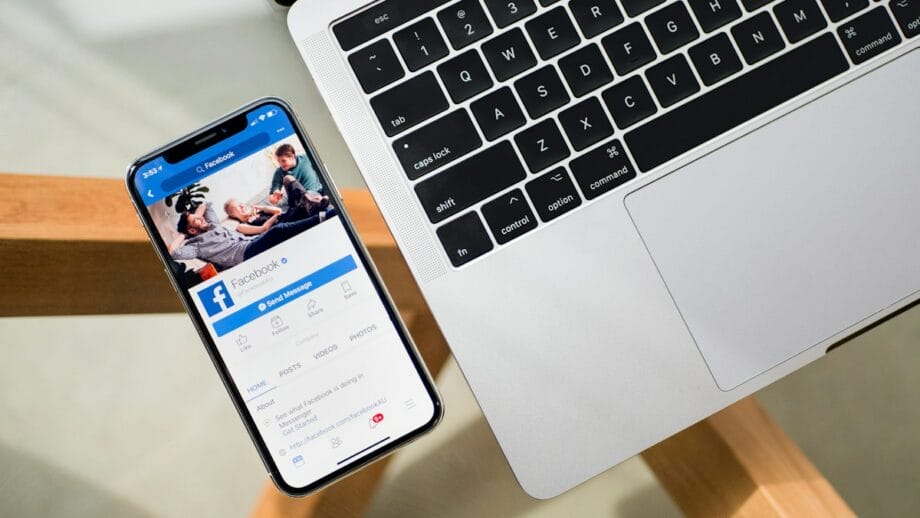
(215, 298)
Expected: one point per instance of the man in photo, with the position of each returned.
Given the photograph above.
(298, 167)
(201, 236)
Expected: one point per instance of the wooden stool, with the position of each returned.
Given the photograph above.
(736, 462)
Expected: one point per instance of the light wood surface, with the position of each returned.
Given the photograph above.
(739, 462)
(73, 246)
(76, 247)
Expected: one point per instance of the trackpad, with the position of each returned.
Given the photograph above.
(805, 227)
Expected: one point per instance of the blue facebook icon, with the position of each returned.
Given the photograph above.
(215, 298)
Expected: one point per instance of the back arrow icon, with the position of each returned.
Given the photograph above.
(150, 193)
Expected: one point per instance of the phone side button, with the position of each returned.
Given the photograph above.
(172, 282)
(335, 187)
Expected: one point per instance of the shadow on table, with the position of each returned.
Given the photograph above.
(31, 487)
(468, 476)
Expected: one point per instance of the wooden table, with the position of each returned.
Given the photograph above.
(88, 255)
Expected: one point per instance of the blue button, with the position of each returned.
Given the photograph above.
(285, 295)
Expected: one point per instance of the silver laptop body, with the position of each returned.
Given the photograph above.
(603, 288)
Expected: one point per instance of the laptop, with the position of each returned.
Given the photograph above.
(629, 214)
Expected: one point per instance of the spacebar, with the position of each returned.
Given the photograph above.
(735, 102)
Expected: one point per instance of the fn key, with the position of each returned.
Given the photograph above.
(464, 239)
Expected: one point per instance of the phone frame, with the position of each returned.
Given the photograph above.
(238, 402)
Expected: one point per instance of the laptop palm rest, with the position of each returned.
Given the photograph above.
(800, 230)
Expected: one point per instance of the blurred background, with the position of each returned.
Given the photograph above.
(125, 416)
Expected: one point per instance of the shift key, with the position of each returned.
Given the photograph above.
(469, 182)
(437, 144)
(410, 103)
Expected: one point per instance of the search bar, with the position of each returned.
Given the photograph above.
(215, 163)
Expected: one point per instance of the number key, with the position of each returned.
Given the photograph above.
(464, 23)
(506, 12)
(420, 44)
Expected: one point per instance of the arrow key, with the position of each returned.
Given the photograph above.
(376, 66)
(509, 216)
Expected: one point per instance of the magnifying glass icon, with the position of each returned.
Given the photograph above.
(200, 169)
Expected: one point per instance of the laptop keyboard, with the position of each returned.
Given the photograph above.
(506, 114)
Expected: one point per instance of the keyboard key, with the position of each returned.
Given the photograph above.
(506, 12)
(509, 54)
(757, 38)
(498, 113)
(595, 16)
(542, 145)
(713, 14)
(541, 92)
(602, 170)
(799, 18)
(547, 3)
(437, 144)
(464, 76)
(671, 27)
(628, 48)
(629, 102)
(508, 216)
(464, 239)
(636, 7)
(370, 23)
(409, 103)
(907, 12)
(465, 23)
(753, 5)
(552, 33)
(672, 80)
(715, 59)
(869, 35)
(585, 70)
(840, 9)
(376, 66)
(553, 194)
(736, 101)
(460, 186)
(420, 44)
(586, 123)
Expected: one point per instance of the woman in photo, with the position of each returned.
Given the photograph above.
(254, 219)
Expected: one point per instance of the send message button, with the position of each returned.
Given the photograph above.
(285, 295)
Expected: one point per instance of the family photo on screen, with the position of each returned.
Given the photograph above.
(241, 211)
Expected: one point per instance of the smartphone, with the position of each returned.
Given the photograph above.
(258, 246)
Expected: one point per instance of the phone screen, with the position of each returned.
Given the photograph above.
(296, 322)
